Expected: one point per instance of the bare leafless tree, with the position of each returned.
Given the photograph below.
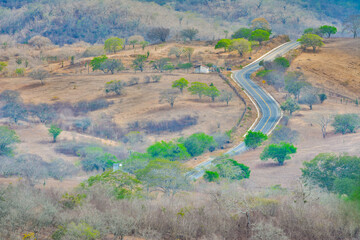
(169, 96)
(323, 121)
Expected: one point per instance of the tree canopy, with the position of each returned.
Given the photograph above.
(114, 44)
(279, 152)
(311, 40)
(254, 139)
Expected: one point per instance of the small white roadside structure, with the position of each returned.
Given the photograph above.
(201, 69)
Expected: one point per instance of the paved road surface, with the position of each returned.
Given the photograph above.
(269, 108)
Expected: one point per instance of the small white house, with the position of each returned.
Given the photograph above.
(201, 69)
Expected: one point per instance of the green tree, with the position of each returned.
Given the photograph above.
(123, 185)
(212, 92)
(254, 139)
(210, 176)
(311, 40)
(242, 33)
(328, 30)
(168, 150)
(180, 84)
(54, 131)
(260, 35)
(346, 123)
(144, 44)
(97, 61)
(186, 66)
(223, 43)
(322, 97)
(282, 62)
(164, 175)
(139, 62)
(279, 152)
(160, 64)
(8, 138)
(226, 96)
(241, 45)
(189, 33)
(115, 86)
(197, 143)
(327, 168)
(198, 88)
(290, 105)
(114, 44)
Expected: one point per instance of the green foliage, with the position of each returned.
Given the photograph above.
(114, 44)
(180, 84)
(311, 40)
(20, 71)
(8, 137)
(322, 97)
(212, 92)
(197, 143)
(135, 162)
(59, 233)
(114, 86)
(263, 73)
(241, 45)
(168, 150)
(54, 131)
(254, 139)
(231, 169)
(282, 62)
(290, 105)
(340, 174)
(210, 176)
(260, 35)
(279, 152)
(198, 88)
(346, 123)
(3, 65)
(139, 62)
(168, 176)
(70, 201)
(328, 30)
(242, 33)
(94, 158)
(223, 43)
(97, 61)
(81, 231)
(121, 184)
(308, 30)
(186, 66)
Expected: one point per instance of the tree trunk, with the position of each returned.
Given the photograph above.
(310, 107)
(314, 49)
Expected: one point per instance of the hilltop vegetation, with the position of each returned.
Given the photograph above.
(94, 21)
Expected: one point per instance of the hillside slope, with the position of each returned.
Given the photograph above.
(93, 21)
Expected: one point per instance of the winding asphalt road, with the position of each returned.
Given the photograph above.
(268, 109)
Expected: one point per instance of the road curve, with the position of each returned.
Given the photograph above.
(265, 103)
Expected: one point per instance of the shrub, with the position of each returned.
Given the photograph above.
(210, 176)
(60, 169)
(282, 62)
(197, 143)
(44, 112)
(231, 169)
(39, 74)
(284, 134)
(20, 71)
(94, 158)
(254, 139)
(170, 125)
(82, 125)
(54, 131)
(322, 97)
(81, 231)
(136, 161)
(168, 150)
(94, 51)
(263, 73)
(9, 96)
(114, 86)
(93, 105)
(346, 123)
(8, 137)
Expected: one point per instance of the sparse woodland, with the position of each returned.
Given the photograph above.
(102, 121)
